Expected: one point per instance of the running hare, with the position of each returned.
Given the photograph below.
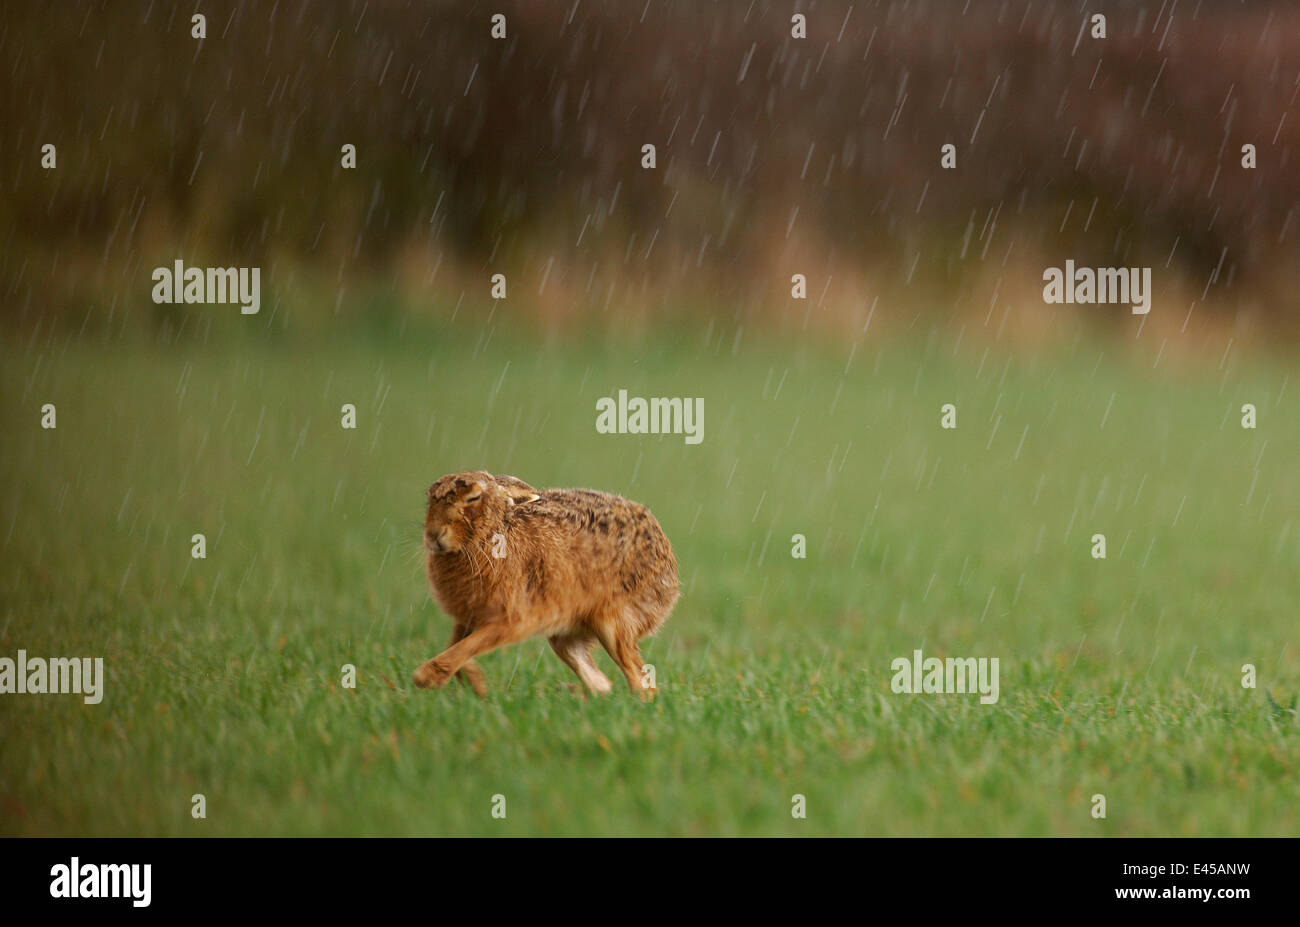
(509, 562)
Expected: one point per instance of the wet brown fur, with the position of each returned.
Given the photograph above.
(580, 566)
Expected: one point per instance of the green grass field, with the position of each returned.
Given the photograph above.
(1119, 676)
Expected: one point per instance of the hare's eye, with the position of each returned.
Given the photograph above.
(474, 498)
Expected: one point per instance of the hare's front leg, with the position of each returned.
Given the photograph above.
(435, 673)
(471, 673)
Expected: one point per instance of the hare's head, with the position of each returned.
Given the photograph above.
(463, 508)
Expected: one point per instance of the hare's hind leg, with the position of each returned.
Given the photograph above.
(623, 648)
(575, 651)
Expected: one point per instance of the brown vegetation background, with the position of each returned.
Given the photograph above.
(775, 155)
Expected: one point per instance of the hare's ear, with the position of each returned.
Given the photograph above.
(517, 491)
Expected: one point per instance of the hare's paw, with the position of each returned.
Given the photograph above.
(431, 675)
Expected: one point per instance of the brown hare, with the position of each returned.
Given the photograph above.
(508, 562)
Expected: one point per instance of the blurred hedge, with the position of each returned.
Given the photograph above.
(477, 153)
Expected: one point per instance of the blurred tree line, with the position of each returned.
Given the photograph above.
(476, 153)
